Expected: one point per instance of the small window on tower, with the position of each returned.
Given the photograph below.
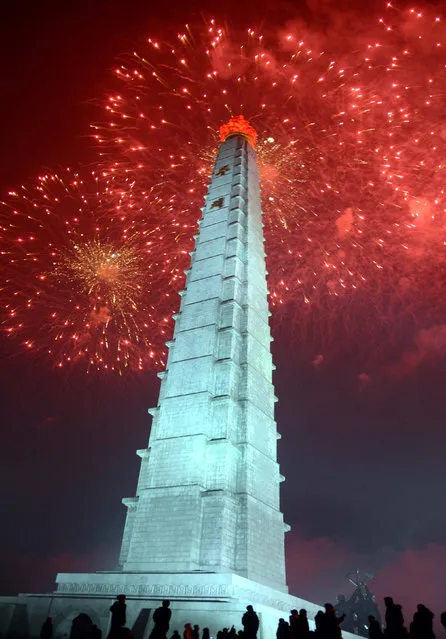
(223, 170)
(217, 204)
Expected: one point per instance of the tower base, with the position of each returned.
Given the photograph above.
(212, 600)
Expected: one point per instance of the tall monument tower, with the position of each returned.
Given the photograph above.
(205, 528)
(208, 491)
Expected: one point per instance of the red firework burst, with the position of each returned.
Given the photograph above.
(351, 144)
(80, 285)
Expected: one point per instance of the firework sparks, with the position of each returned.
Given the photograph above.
(351, 149)
(80, 285)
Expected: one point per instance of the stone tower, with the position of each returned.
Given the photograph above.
(205, 528)
(208, 490)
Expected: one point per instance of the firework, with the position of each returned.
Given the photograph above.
(80, 285)
(351, 148)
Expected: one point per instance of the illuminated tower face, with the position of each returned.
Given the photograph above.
(208, 491)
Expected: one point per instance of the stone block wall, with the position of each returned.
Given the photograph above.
(208, 493)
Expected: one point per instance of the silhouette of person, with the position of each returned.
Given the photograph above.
(206, 634)
(232, 633)
(304, 627)
(375, 631)
(118, 613)
(422, 625)
(319, 622)
(46, 631)
(283, 629)
(95, 632)
(187, 634)
(250, 623)
(394, 620)
(331, 629)
(294, 624)
(359, 606)
(196, 632)
(443, 619)
(176, 635)
(161, 619)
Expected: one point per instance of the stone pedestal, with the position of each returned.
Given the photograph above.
(213, 600)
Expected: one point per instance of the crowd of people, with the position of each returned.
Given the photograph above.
(327, 625)
(161, 618)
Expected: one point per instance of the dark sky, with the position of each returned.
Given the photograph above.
(363, 456)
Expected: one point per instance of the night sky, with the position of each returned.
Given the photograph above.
(363, 451)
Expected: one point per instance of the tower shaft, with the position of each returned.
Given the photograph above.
(208, 492)
(205, 528)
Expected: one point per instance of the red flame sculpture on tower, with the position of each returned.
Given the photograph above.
(238, 126)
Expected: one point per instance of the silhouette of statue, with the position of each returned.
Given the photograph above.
(250, 623)
(341, 604)
(46, 631)
(360, 605)
(161, 618)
